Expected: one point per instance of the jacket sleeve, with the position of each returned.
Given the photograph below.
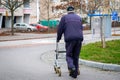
(60, 29)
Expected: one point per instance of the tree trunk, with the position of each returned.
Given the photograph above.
(12, 22)
(90, 21)
(102, 33)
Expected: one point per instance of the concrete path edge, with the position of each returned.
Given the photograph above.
(99, 65)
(103, 66)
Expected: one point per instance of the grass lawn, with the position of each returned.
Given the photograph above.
(95, 52)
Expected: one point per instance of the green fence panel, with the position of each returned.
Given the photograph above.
(52, 23)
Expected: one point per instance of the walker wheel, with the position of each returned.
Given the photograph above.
(55, 69)
(59, 72)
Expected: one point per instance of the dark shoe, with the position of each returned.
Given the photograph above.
(72, 73)
(73, 76)
(77, 72)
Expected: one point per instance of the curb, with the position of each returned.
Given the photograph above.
(25, 38)
(103, 66)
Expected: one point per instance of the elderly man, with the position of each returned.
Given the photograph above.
(71, 26)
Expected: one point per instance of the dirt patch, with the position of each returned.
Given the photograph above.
(5, 33)
(115, 34)
(86, 28)
(39, 32)
(8, 33)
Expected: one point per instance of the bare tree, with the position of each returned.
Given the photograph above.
(101, 6)
(12, 5)
(47, 12)
(89, 6)
(93, 5)
(76, 3)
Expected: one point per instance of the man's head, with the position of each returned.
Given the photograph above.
(70, 9)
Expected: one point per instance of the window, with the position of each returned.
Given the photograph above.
(63, 0)
(0, 3)
(7, 3)
(55, 1)
(22, 24)
(16, 4)
(52, 9)
(17, 24)
(26, 4)
(51, 0)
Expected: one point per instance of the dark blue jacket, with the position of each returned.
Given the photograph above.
(71, 26)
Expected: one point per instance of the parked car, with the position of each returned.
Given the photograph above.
(24, 27)
(40, 27)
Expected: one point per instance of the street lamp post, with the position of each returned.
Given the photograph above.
(38, 11)
(81, 7)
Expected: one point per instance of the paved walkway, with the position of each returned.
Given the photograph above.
(88, 38)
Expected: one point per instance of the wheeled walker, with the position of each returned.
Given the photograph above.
(60, 54)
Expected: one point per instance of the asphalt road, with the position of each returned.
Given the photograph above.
(24, 62)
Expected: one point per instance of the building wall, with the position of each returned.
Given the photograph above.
(46, 9)
(27, 14)
(33, 14)
(0, 20)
